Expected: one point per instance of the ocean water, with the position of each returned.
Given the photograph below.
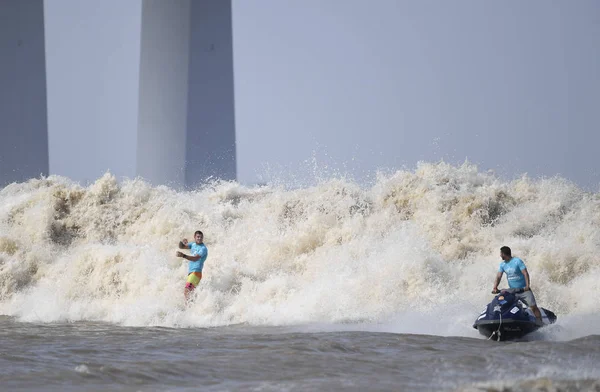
(333, 286)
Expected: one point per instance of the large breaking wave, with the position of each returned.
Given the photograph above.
(414, 252)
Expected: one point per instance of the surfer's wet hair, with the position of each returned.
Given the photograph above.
(199, 232)
(506, 250)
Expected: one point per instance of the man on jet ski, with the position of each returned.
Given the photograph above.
(518, 278)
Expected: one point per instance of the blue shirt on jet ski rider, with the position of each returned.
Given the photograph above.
(518, 278)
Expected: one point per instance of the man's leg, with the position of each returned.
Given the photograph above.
(537, 313)
(188, 291)
(529, 299)
(193, 280)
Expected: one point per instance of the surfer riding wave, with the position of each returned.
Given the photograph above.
(197, 259)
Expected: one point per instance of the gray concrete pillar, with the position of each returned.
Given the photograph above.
(143, 88)
(163, 93)
(211, 149)
(23, 130)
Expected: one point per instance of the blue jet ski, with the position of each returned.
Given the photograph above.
(508, 318)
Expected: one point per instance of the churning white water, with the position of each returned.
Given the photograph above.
(415, 252)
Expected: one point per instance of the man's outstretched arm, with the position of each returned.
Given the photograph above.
(190, 258)
(526, 275)
(497, 282)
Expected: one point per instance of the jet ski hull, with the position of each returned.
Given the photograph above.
(507, 330)
(507, 318)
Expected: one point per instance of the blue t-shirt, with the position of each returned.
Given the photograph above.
(514, 274)
(197, 250)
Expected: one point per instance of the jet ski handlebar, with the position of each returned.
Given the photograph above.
(511, 291)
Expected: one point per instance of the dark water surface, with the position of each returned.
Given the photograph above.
(98, 356)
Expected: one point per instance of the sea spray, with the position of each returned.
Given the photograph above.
(416, 251)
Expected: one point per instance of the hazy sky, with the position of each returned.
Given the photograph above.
(513, 86)
(510, 85)
(92, 66)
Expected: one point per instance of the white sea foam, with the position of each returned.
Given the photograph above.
(415, 252)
